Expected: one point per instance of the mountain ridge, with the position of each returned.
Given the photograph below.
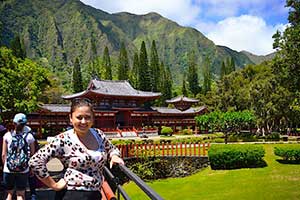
(61, 30)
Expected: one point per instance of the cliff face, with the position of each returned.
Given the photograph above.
(60, 30)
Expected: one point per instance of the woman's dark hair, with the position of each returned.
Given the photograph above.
(79, 102)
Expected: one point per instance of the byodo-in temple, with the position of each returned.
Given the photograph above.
(120, 111)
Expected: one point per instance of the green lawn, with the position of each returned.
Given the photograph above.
(276, 181)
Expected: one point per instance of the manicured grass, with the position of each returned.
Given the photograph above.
(276, 181)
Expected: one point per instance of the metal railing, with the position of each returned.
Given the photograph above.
(133, 177)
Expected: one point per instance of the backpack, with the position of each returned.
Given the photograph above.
(18, 153)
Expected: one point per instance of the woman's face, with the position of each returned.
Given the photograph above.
(82, 119)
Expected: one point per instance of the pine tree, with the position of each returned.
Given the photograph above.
(231, 65)
(207, 76)
(144, 71)
(192, 74)
(183, 89)
(155, 68)
(106, 65)
(134, 71)
(167, 83)
(123, 67)
(223, 70)
(17, 47)
(93, 49)
(77, 78)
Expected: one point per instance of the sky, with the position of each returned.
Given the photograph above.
(238, 24)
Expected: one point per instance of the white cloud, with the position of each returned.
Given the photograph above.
(183, 12)
(239, 24)
(245, 32)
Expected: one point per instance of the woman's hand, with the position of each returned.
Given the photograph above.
(115, 159)
(57, 186)
(61, 184)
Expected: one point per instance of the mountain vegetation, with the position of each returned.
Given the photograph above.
(55, 42)
(56, 32)
(259, 59)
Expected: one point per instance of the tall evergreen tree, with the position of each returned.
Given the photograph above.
(192, 76)
(134, 71)
(167, 83)
(77, 78)
(144, 71)
(155, 68)
(94, 69)
(106, 64)
(207, 76)
(17, 47)
(223, 70)
(183, 89)
(123, 67)
(231, 65)
(93, 49)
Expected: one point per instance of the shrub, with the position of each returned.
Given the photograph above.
(187, 132)
(288, 152)
(218, 140)
(236, 156)
(166, 130)
(273, 137)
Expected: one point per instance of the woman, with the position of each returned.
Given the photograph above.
(83, 152)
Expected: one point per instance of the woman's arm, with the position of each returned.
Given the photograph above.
(39, 160)
(57, 186)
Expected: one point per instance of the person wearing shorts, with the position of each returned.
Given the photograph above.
(16, 180)
(12, 180)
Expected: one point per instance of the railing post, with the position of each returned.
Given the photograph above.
(181, 154)
(151, 193)
(167, 143)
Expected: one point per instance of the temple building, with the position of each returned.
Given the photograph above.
(120, 111)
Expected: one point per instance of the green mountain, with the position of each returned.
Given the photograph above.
(258, 59)
(58, 31)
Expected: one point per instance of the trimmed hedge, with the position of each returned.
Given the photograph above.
(288, 151)
(235, 156)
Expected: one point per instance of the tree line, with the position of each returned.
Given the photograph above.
(269, 90)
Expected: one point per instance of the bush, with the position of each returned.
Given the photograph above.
(187, 132)
(236, 156)
(273, 137)
(249, 138)
(218, 140)
(288, 152)
(166, 130)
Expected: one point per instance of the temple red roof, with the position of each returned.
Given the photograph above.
(113, 88)
(165, 110)
(182, 98)
(182, 103)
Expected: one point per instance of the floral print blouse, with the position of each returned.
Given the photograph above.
(83, 167)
